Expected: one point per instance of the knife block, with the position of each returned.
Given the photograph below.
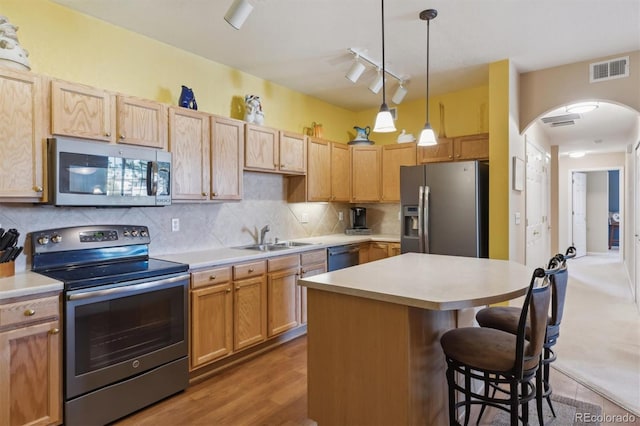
(7, 269)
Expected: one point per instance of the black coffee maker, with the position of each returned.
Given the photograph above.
(358, 218)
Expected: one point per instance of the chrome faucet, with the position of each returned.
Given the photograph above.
(263, 232)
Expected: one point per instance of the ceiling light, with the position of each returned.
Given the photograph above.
(355, 71)
(377, 82)
(577, 154)
(400, 93)
(427, 135)
(384, 120)
(582, 107)
(238, 13)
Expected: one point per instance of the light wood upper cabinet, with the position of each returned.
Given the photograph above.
(31, 363)
(21, 126)
(293, 153)
(340, 172)
(365, 173)
(82, 111)
(394, 156)
(261, 148)
(141, 122)
(227, 154)
(462, 148)
(189, 143)
(318, 170)
(271, 150)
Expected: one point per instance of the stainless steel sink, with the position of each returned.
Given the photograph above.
(282, 245)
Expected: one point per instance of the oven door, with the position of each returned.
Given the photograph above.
(117, 332)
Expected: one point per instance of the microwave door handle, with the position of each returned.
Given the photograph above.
(152, 178)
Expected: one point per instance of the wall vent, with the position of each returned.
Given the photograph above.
(609, 70)
(560, 118)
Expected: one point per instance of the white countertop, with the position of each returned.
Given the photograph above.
(27, 283)
(429, 281)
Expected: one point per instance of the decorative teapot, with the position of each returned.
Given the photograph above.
(362, 133)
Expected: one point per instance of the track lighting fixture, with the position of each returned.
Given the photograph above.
(427, 135)
(400, 93)
(356, 70)
(358, 67)
(376, 84)
(384, 120)
(238, 13)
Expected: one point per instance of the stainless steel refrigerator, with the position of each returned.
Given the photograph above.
(445, 208)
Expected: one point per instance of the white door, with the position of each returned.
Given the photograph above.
(636, 232)
(537, 207)
(579, 212)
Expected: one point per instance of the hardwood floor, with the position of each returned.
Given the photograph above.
(271, 389)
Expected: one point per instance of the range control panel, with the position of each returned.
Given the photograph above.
(84, 237)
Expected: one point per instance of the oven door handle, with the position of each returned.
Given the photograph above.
(125, 289)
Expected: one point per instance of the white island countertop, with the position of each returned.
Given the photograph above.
(429, 281)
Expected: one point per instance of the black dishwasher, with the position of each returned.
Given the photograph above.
(342, 256)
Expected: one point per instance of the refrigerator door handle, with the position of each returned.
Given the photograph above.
(421, 219)
(425, 215)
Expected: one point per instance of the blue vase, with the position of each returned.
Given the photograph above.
(187, 99)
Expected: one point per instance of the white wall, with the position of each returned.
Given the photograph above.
(597, 212)
(517, 199)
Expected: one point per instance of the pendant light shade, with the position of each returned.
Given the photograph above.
(238, 13)
(427, 135)
(384, 120)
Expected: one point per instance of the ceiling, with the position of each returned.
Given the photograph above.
(303, 44)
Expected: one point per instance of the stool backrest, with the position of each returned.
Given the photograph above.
(559, 283)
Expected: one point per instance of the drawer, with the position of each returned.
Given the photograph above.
(247, 270)
(29, 311)
(316, 256)
(283, 262)
(210, 277)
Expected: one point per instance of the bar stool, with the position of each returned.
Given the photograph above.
(506, 318)
(499, 359)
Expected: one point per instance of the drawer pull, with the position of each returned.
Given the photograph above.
(212, 277)
(238, 288)
(228, 290)
(29, 313)
(250, 270)
(54, 331)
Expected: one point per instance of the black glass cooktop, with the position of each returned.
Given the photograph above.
(77, 277)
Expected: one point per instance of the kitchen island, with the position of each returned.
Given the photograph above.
(374, 355)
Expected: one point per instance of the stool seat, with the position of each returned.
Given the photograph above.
(500, 317)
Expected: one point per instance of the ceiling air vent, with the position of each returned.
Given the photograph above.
(563, 123)
(565, 118)
(608, 70)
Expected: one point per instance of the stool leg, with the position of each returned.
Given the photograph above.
(487, 379)
(539, 394)
(546, 365)
(452, 396)
(515, 407)
(467, 395)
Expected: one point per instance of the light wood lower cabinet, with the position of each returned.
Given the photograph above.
(376, 250)
(311, 263)
(31, 362)
(282, 294)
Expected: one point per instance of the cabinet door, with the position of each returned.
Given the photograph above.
(30, 370)
(443, 151)
(394, 249)
(394, 156)
(227, 150)
(282, 301)
(141, 122)
(365, 174)
(318, 170)
(308, 271)
(249, 312)
(211, 324)
(261, 148)
(189, 145)
(82, 111)
(293, 153)
(378, 251)
(21, 167)
(473, 147)
(363, 254)
(340, 172)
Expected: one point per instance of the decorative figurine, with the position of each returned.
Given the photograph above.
(187, 99)
(253, 110)
(12, 55)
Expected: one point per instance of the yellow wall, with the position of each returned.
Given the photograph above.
(466, 112)
(68, 45)
(499, 160)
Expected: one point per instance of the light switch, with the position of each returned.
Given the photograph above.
(517, 218)
(340, 216)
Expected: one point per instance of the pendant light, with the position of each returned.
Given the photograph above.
(427, 135)
(384, 120)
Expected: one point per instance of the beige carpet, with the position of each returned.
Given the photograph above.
(599, 344)
(568, 412)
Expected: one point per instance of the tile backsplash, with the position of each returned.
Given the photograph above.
(208, 226)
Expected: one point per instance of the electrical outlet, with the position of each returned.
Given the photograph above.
(340, 216)
(304, 217)
(399, 215)
(175, 224)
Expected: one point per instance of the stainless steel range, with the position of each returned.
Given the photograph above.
(125, 316)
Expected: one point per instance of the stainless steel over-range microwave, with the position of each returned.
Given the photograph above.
(84, 173)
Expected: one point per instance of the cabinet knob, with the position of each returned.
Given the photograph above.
(281, 165)
(29, 313)
(54, 331)
(215, 194)
(238, 288)
(229, 290)
(204, 194)
(38, 188)
(212, 277)
(122, 136)
(250, 270)
(275, 166)
(108, 134)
